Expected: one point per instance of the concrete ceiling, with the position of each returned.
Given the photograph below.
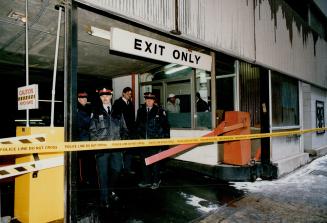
(93, 52)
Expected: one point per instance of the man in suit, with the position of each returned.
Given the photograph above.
(125, 107)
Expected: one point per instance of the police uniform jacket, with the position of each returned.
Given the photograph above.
(106, 126)
(153, 124)
(83, 121)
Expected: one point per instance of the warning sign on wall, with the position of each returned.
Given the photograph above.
(28, 97)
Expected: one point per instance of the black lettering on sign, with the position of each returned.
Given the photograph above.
(155, 48)
(161, 49)
(190, 58)
(197, 58)
(137, 44)
(176, 54)
(148, 45)
(184, 56)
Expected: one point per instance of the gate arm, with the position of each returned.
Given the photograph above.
(221, 128)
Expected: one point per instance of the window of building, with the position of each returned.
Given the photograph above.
(285, 100)
(183, 92)
(225, 85)
(172, 86)
(203, 99)
(250, 91)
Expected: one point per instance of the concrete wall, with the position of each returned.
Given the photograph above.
(207, 154)
(263, 32)
(119, 83)
(314, 143)
(285, 44)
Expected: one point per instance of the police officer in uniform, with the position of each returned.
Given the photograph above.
(83, 124)
(151, 123)
(105, 125)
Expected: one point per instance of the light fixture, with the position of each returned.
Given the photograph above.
(31, 120)
(94, 31)
(18, 16)
(169, 66)
(176, 69)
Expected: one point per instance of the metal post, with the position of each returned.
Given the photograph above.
(26, 60)
(213, 91)
(70, 105)
(53, 92)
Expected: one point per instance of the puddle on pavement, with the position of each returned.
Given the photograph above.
(182, 197)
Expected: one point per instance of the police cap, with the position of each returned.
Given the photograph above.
(105, 91)
(149, 95)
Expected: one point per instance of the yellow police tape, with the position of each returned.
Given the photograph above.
(54, 147)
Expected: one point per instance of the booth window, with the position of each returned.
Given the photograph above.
(225, 85)
(285, 100)
(250, 92)
(168, 80)
(203, 99)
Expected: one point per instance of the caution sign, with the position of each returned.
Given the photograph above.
(28, 97)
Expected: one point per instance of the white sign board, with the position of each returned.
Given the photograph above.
(28, 97)
(135, 44)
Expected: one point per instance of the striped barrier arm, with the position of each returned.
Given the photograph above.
(23, 168)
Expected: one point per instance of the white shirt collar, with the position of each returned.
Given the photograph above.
(105, 106)
(125, 100)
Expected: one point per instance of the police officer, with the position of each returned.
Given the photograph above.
(105, 125)
(83, 125)
(151, 123)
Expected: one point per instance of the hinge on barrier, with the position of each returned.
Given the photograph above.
(36, 158)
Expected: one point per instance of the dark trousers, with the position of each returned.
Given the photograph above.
(151, 173)
(128, 159)
(109, 166)
(87, 167)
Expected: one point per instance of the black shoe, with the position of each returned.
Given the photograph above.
(155, 185)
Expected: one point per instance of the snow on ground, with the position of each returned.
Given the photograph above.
(201, 205)
(299, 178)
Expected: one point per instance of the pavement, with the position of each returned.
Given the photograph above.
(184, 196)
(300, 196)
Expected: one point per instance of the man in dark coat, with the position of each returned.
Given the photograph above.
(83, 125)
(124, 106)
(151, 123)
(106, 125)
(201, 105)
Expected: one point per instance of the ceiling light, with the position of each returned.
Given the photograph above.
(93, 31)
(174, 70)
(18, 16)
(169, 66)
